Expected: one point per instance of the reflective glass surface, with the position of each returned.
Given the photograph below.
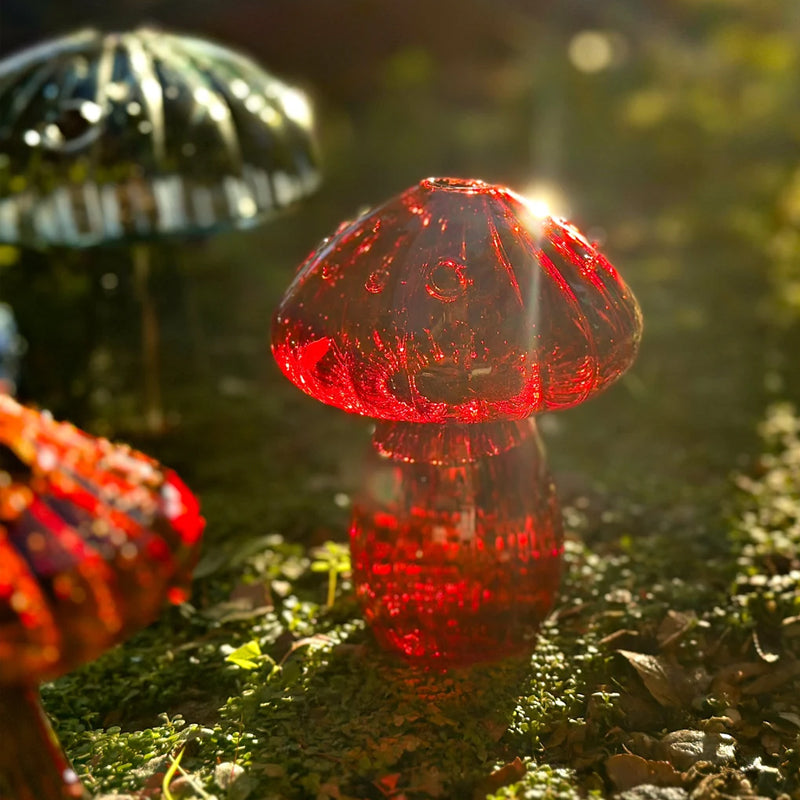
(455, 301)
(94, 537)
(456, 560)
(144, 133)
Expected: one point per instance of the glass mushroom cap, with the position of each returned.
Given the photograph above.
(145, 133)
(94, 537)
(455, 301)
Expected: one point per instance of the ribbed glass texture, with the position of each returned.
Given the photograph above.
(145, 133)
(94, 537)
(456, 559)
(454, 313)
(455, 301)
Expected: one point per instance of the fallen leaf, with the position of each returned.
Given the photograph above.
(642, 744)
(496, 729)
(428, 781)
(329, 791)
(388, 783)
(626, 770)
(638, 708)
(790, 717)
(312, 642)
(670, 684)
(771, 743)
(252, 595)
(675, 625)
(246, 600)
(503, 776)
(727, 682)
(629, 636)
(774, 679)
(569, 611)
(558, 736)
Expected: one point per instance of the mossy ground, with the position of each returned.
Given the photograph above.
(680, 606)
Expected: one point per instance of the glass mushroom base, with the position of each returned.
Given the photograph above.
(456, 540)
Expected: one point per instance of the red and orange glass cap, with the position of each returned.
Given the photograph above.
(456, 301)
(94, 537)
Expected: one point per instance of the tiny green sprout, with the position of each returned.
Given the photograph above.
(248, 656)
(169, 775)
(333, 558)
(174, 767)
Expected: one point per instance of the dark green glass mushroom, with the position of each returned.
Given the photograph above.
(135, 136)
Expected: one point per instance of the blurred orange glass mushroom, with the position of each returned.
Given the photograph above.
(94, 537)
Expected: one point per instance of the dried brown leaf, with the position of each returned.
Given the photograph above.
(728, 681)
(569, 611)
(790, 717)
(626, 770)
(669, 683)
(496, 729)
(329, 791)
(625, 634)
(558, 736)
(252, 595)
(427, 781)
(246, 600)
(773, 679)
(674, 626)
(502, 776)
(641, 744)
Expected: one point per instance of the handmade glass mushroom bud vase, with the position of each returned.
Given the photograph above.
(452, 314)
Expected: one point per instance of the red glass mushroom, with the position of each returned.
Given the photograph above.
(452, 313)
(94, 537)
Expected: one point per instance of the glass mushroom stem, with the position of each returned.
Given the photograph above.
(456, 540)
(32, 764)
(153, 407)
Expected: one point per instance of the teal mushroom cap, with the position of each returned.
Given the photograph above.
(142, 134)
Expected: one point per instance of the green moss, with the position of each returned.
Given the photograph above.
(325, 713)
